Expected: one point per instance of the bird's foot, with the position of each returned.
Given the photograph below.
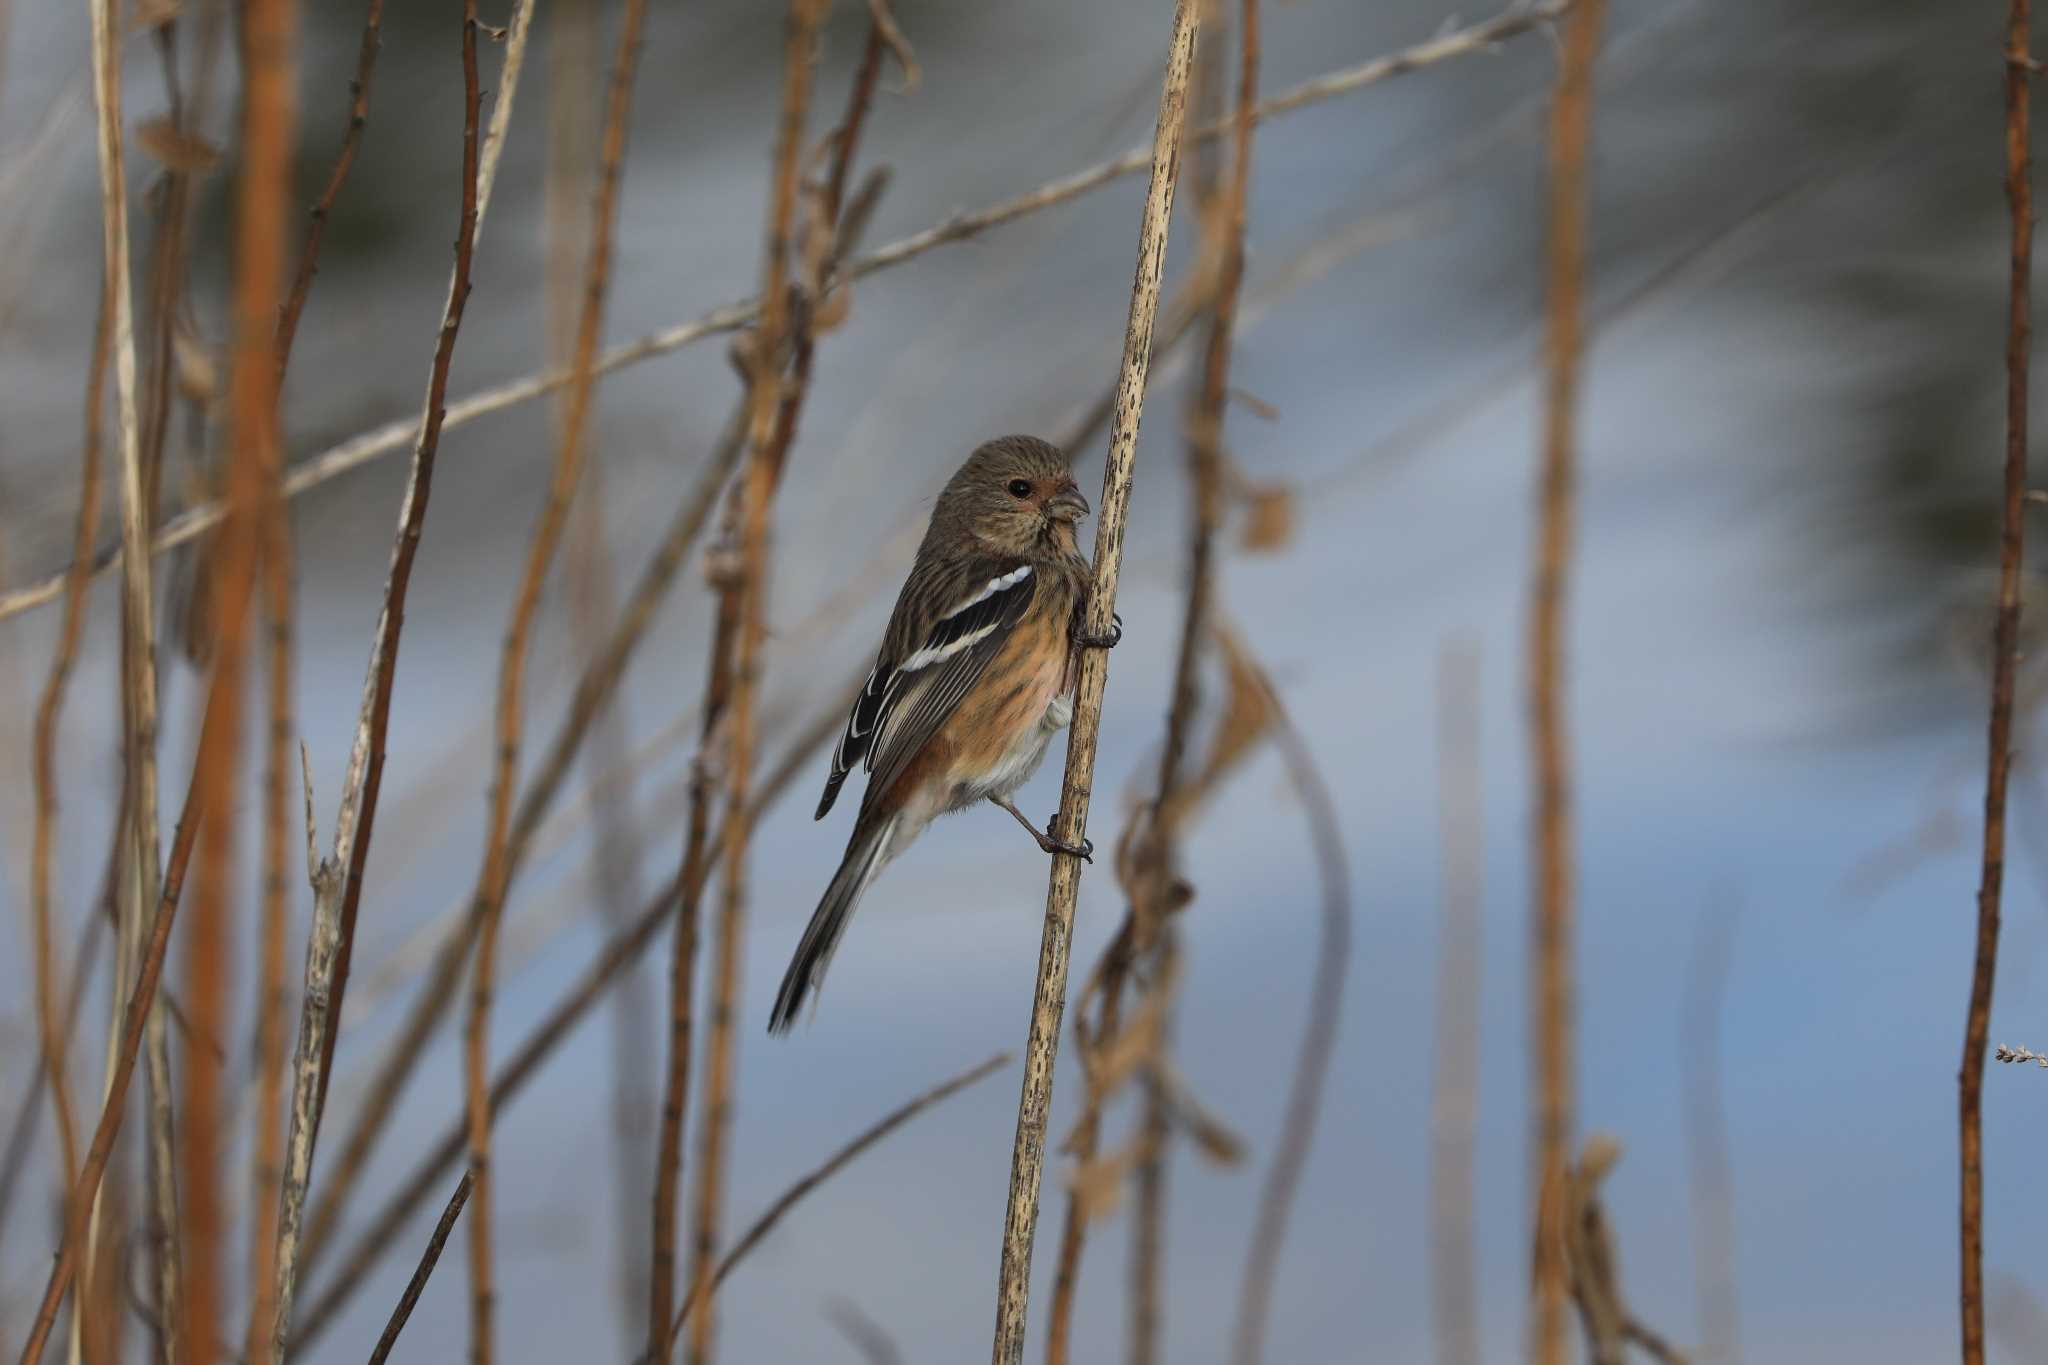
(1107, 640)
(1085, 850)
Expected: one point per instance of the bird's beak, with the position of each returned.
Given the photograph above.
(1067, 505)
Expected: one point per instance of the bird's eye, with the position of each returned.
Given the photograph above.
(1020, 488)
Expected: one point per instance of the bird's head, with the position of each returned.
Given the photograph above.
(1016, 495)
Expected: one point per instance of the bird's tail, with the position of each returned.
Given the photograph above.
(865, 854)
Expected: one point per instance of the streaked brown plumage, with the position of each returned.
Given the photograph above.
(974, 677)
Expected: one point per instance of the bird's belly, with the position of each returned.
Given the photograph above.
(1022, 725)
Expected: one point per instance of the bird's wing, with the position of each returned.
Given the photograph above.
(924, 669)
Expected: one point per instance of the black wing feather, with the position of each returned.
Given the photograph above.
(936, 675)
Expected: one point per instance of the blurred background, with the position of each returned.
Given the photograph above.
(1777, 652)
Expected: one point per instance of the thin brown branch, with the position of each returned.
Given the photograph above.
(51, 1030)
(768, 444)
(619, 952)
(1454, 1107)
(417, 1285)
(337, 882)
(831, 1166)
(1552, 1094)
(323, 208)
(263, 189)
(1027, 1162)
(512, 665)
(149, 971)
(2019, 72)
(1319, 1037)
(394, 436)
(1082, 1146)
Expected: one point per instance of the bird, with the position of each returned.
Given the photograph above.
(975, 675)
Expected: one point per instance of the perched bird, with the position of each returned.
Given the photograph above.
(975, 675)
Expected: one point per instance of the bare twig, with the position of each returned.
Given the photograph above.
(51, 1030)
(337, 882)
(417, 1285)
(512, 670)
(2019, 70)
(1552, 1093)
(748, 589)
(830, 1167)
(1454, 1111)
(394, 436)
(1319, 1038)
(344, 161)
(1027, 1162)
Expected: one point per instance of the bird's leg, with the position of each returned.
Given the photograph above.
(1085, 850)
(1105, 641)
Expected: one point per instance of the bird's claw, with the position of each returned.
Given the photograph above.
(1107, 640)
(1085, 850)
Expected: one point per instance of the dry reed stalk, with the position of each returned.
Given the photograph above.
(748, 588)
(1706, 1131)
(273, 1000)
(262, 191)
(1552, 1094)
(393, 436)
(2019, 73)
(337, 882)
(512, 669)
(51, 1031)
(1454, 1107)
(1325, 1010)
(619, 952)
(574, 99)
(1027, 1163)
(323, 208)
(149, 971)
(139, 697)
(1082, 1147)
(417, 1285)
(831, 1166)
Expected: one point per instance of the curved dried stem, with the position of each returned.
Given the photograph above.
(1325, 1010)
(1552, 1094)
(1027, 1162)
(2019, 73)
(50, 1028)
(394, 436)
